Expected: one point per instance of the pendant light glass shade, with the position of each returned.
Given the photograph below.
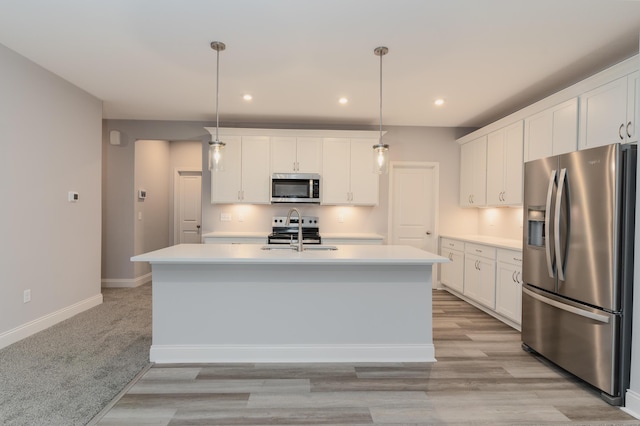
(216, 158)
(381, 150)
(216, 147)
(381, 158)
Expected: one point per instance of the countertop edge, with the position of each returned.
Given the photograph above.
(504, 243)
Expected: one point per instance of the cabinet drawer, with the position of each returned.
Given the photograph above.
(446, 243)
(480, 250)
(510, 256)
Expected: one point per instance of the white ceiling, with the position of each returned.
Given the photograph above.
(151, 59)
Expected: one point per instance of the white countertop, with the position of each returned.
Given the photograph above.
(219, 234)
(253, 254)
(485, 239)
(351, 235)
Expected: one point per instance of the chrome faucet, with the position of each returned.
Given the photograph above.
(297, 246)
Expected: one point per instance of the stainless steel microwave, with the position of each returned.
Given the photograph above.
(295, 188)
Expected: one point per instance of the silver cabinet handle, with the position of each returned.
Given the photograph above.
(628, 132)
(620, 131)
(518, 277)
(513, 276)
(517, 260)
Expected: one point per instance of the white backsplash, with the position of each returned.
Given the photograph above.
(257, 218)
(503, 222)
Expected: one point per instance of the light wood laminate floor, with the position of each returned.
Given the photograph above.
(482, 377)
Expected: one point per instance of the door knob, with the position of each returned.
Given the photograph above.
(428, 232)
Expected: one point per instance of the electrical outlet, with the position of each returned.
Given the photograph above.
(341, 218)
(225, 217)
(26, 297)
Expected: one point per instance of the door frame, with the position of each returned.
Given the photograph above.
(395, 165)
(176, 199)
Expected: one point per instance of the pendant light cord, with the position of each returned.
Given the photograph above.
(381, 99)
(217, 91)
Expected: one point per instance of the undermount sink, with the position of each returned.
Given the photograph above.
(310, 247)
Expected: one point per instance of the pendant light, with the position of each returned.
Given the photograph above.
(216, 146)
(381, 150)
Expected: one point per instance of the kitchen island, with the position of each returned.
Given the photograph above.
(242, 303)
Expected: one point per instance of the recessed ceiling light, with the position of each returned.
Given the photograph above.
(439, 102)
(247, 97)
(343, 100)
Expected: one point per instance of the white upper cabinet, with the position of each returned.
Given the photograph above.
(553, 131)
(504, 166)
(291, 154)
(607, 113)
(473, 173)
(347, 172)
(245, 178)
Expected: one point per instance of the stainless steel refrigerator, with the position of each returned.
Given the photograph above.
(579, 212)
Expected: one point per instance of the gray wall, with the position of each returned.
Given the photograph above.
(50, 141)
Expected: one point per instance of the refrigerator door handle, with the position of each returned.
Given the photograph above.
(547, 224)
(561, 182)
(596, 317)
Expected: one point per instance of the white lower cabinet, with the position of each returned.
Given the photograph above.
(509, 285)
(486, 276)
(452, 273)
(480, 274)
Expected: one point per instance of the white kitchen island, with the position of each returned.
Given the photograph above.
(240, 303)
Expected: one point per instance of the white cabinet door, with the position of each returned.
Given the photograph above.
(226, 185)
(283, 154)
(480, 280)
(553, 131)
(509, 291)
(364, 181)
(309, 155)
(473, 173)
(255, 170)
(633, 112)
(495, 167)
(245, 178)
(603, 114)
(513, 173)
(452, 273)
(296, 155)
(504, 166)
(347, 172)
(336, 168)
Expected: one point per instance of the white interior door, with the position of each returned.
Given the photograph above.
(188, 207)
(413, 206)
(413, 200)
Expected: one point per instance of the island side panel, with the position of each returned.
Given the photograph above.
(291, 313)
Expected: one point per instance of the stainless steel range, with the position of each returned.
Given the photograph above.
(288, 234)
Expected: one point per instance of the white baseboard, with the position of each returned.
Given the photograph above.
(167, 354)
(632, 404)
(32, 327)
(126, 282)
